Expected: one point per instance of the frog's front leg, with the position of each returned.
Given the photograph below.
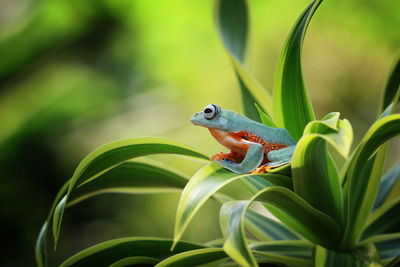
(230, 156)
(253, 159)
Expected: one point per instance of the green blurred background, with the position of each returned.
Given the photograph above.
(75, 74)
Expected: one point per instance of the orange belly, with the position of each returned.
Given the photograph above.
(240, 142)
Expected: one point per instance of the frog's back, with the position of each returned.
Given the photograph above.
(268, 134)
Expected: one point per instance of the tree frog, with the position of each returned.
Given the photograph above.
(254, 147)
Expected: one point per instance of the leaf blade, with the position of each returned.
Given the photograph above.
(313, 167)
(114, 153)
(232, 20)
(361, 193)
(111, 251)
(194, 257)
(292, 106)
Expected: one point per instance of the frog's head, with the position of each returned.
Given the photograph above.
(211, 117)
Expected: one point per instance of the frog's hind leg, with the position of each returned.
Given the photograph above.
(277, 158)
(271, 165)
(251, 161)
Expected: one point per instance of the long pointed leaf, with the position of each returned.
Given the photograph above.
(232, 227)
(194, 258)
(392, 89)
(292, 106)
(329, 258)
(338, 133)
(386, 185)
(232, 21)
(264, 228)
(362, 192)
(296, 213)
(388, 245)
(291, 248)
(287, 207)
(315, 177)
(202, 186)
(114, 153)
(131, 177)
(384, 220)
(112, 251)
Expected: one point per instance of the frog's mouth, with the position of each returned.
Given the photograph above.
(196, 119)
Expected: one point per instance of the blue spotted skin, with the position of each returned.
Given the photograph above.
(226, 121)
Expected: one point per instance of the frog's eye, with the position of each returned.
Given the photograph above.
(211, 111)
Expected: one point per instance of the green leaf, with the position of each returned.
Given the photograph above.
(265, 119)
(291, 252)
(315, 177)
(388, 245)
(232, 217)
(288, 208)
(202, 186)
(297, 214)
(292, 106)
(131, 177)
(338, 133)
(299, 249)
(360, 258)
(264, 228)
(232, 227)
(41, 242)
(232, 21)
(395, 262)
(256, 183)
(40, 248)
(392, 89)
(362, 192)
(112, 251)
(112, 154)
(386, 185)
(194, 257)
(384, 220)
(135, 261)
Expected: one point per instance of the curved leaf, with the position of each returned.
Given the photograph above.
(384, 220)
(203, 185)
(338, 133)
(265, 119)
(264, 228)
(395, 262)
(194, 257)
(362, 257)
(291, 248)
(287, 207)
(386, 185)
(114, 153)
(232, 21)
(315, 177)
(232, 227)
(297, 214)
(362, 192)
(131, 177)
(40, 247)
(388, 245)
(135, 261)
(392, 90)
(292, 106)
(112, 251)
(41, 242)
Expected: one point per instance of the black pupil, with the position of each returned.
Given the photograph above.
(208, 110)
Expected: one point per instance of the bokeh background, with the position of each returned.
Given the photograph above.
(75, 74)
